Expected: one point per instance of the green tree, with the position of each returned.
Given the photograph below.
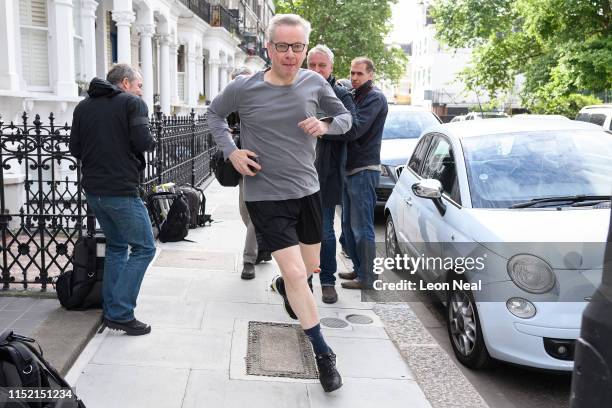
(562, 47)
(351, 28)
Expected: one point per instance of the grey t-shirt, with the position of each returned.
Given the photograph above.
(269, 117)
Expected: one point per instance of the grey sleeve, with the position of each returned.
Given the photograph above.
(331, 105)
(223, 104)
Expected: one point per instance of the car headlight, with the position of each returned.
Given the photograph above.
(530, 273)
(521, 307)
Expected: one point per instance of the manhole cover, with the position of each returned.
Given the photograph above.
(359, 319)
(333, 323)
(279, 350)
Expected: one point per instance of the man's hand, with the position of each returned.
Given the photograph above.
(241, 161)
(314, 127)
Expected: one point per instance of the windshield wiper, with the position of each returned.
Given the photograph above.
(571, 199)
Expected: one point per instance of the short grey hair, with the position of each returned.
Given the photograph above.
(241, 71)
(321, 49)
(120, 71)
(288, 20)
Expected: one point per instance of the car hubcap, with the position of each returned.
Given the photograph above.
(390, 240)
(462, 323)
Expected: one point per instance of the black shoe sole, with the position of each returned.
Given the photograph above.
(329, 301)
(286, 304)
(334, 388)
(121, 327)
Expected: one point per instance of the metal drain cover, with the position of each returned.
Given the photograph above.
(359, 319)
(333, 323)
(279, 350)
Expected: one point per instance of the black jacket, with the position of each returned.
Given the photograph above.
(364, 149)
(110, 132)
(331, 154)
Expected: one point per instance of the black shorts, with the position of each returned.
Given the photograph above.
(284, 223)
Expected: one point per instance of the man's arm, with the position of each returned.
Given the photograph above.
(331, 105)
(366, 115)
(220, 108)
(349, 103)
(141, 139)
(75, 137)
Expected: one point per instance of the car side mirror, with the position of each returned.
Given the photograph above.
(427, 188)
(431, 189)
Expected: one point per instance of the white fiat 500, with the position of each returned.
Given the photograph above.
(527, 203)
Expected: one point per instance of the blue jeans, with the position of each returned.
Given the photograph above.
(358, 205)
(328, 248)
(125, 222)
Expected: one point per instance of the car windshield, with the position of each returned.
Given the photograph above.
(406, 124)
(508, 169)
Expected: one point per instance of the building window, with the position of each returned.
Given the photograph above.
(79, 71)
(180, 74)
(110, 40)
(34, 30)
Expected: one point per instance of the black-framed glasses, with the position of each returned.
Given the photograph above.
(284, 47)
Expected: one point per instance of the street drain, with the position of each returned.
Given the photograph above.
(279, 350)
(359, 319)
(333, 323)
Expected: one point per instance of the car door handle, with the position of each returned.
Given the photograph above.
(408, 200)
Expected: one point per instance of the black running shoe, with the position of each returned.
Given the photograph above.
(278, 285)
(131, 328)
(328, 374)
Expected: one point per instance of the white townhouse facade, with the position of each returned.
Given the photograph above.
(434, 70)
(185, 49)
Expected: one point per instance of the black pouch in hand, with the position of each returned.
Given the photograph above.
(225, 173)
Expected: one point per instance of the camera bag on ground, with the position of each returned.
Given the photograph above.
(174, 226)
(81, 287)
(22, 366)
(224, 170)
(197, 206)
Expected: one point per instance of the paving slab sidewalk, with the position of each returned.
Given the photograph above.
(199, 309)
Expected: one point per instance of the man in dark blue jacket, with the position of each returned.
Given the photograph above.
(330, 163)
(362, 173)
(110, 132)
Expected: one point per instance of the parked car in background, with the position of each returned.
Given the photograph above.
(536, 116)
(485, 115)
(458, 118)
(404, 125)
(600, 115)
(531, 198)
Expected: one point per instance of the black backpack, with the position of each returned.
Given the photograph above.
(197, 206)
(22, 366)
(175, 226)
(81, 288)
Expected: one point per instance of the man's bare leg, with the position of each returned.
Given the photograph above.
(294, 270)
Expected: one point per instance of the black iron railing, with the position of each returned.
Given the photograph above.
(221, 17)
(42, 206)
(200, 7)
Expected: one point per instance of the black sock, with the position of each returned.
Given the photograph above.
(316, 338)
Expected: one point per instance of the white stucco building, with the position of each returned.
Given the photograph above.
(185, 49)
(434, 70)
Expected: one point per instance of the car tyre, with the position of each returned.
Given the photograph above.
(465, 330)
(391, 245)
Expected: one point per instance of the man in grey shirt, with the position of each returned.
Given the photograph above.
(278, 128)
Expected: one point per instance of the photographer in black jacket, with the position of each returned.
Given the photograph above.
(110, 133)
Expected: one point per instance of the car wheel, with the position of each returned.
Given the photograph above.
(391, 245)
(465, 331)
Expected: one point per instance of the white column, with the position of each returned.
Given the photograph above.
(65, 84)
(223, 75)
(164, 71)
(174, 99)
(124, 20)
(9, 79)
(212, 84)
(88, 15)
(192, 86)
(146, 55)
(199, 71)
